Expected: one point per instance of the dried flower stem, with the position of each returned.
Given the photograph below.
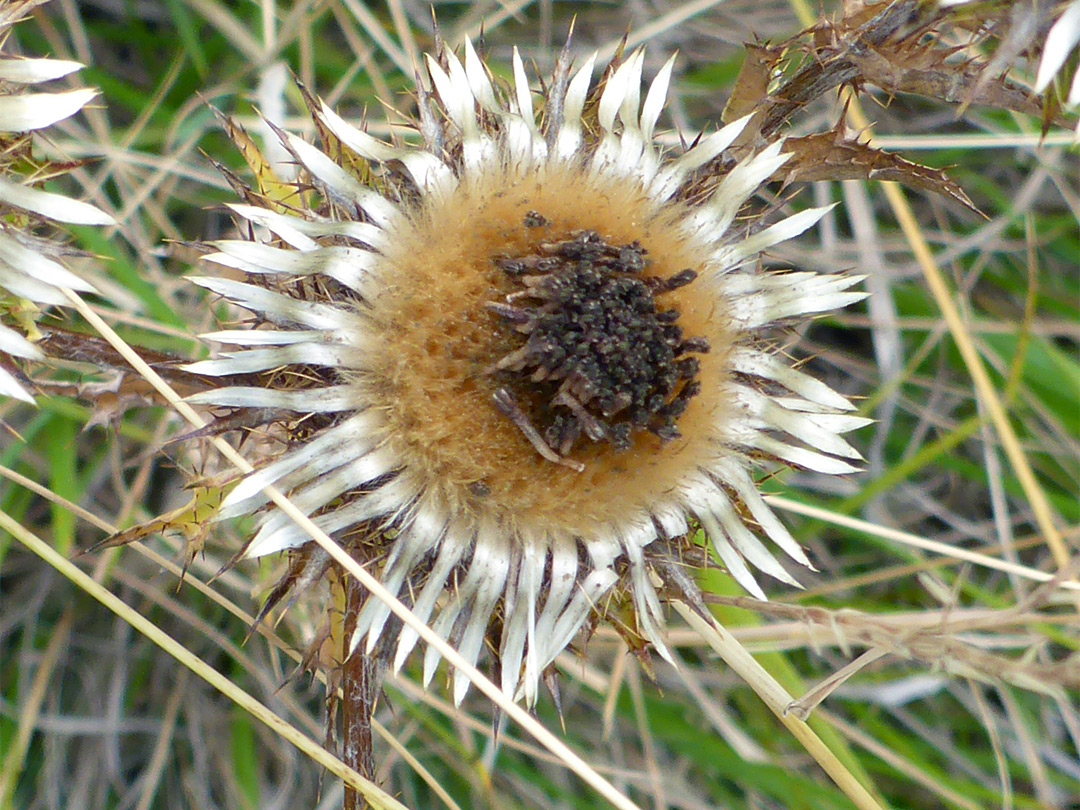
(914, 541)
(359, 690)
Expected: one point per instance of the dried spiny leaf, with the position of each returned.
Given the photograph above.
(925, 70)
(829, 48)
(350, 160)
(831, 156)
(306, 566)
(1023, 25)
(271, 187)
(68, 345)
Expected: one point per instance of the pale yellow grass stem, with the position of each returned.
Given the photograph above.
(377, 797)
(778, 700)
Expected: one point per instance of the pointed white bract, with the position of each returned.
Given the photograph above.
(1062, 40)
(455, 547)
(26, 275)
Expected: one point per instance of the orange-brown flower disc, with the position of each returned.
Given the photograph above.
(436, 340)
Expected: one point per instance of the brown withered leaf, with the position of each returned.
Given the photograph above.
(831, 156)
(122, 388)
(243, 419)
(752, 85)
(109, 400)
(306, 567)
(66, 344)
(1025, 23)
(827, 48)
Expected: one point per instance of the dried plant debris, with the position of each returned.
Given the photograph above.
(423, 410)
(906, 47)
(936, 51)
(1042, 32)
(107, 383)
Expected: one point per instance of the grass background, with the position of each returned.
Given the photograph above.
(966, 679)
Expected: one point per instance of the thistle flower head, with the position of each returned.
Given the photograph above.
(30, 270)
(520, 362)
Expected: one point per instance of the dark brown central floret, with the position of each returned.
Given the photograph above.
(602, 358)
